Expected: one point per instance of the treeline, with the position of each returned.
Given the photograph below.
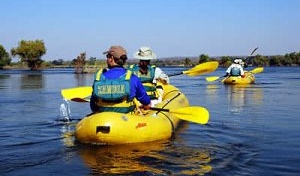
(290, 59)
(30, 53)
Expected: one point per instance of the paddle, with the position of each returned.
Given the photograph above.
(199, 69)
(79, 93)
(212, 78)
(257, 70)
(253, 51)
(194, 114)
(254, 71)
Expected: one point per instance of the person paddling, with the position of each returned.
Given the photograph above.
(235, 69)
(149, 74)
(115, 88)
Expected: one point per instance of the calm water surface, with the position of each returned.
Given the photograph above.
(253, 130)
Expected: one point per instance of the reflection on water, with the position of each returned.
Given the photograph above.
(3, 81)
(212, 89)
(183, 160)
(145, 158)
(122, 159)
(80, 78)
(150, 158)
(240, 96)
(83, 79)
(67, 131)
(236, 98)
(32, 81)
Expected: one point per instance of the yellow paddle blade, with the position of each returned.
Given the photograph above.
(80, 93)
(203, 68)
(257, 70)
(194, 114)
(212, 78)
(210, 65)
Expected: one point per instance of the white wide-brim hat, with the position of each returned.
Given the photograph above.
(144, 53)
(236, 61)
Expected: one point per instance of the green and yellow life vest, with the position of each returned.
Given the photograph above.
(113, 95)
(147, 80)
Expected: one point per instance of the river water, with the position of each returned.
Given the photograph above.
(253, 130)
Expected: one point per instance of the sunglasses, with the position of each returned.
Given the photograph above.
(108, 55)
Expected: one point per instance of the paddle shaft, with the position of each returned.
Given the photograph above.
(253, 51)
(175, 74)
(160, 109)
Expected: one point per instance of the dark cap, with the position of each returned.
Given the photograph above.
(116, 51)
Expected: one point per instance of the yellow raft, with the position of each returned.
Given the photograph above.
(109, 128)
(248, 79)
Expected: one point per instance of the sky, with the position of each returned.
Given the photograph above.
(172, 28)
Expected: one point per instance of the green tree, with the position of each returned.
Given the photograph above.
(80, 62)
(286, 60)
(275, 60)
(225, 61)
(30, 52)
(187, 61)
(260, 60)
(4, 57)
(292, 58)
(92, 61)
(203, 58)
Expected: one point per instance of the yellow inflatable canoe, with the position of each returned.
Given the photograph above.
(109, 128)
(248, 79)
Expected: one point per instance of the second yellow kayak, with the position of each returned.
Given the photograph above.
(248, 79)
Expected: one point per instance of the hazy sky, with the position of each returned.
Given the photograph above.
(170, 27)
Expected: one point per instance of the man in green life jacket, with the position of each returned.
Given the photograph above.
(115, 88)
(149, 74)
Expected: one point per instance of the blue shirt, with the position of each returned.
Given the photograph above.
(137, 90)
